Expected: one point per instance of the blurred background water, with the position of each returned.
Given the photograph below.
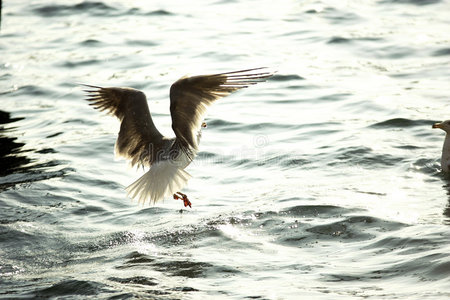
(323, 182)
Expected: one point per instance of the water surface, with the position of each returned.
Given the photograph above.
(323, 182)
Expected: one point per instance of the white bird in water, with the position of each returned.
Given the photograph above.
(445, 158)
(141, 142)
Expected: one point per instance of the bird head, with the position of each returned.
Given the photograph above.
(443, 125)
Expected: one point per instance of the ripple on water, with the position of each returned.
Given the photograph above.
(141, 280)
(344, 40)
(412, 2)
(442, 52)
(31, 90)
(401, 123)
(364, 157)
(91, 43)
(286, 77)
(92, 7)
(159, 13)
(15, 164)
(71, 287)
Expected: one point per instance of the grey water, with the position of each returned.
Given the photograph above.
(322, 183)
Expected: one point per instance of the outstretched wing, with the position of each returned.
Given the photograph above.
(137, 131)
(190, 96)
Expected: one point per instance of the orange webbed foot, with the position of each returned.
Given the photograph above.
(183, 197)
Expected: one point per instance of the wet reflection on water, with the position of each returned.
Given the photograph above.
(12, 157)
(16, 164)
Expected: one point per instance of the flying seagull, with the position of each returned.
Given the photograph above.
(140, 141)
(445, 158)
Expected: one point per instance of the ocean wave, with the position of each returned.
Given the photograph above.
(91, 7)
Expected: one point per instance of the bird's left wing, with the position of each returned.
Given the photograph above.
(190, 96)
(137, 130)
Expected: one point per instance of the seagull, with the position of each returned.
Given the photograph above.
(445, 158)
(140, 142)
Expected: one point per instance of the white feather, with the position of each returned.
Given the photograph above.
(164, 179)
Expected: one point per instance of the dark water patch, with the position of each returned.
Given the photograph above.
(285, 161)
(88, 210)
(392, 52)
(205, 155)
(81, 121)
(401, 123)
(5, 77)
(316, 211)
(183, 236)
(220, 123)
(106, 242)
(90, 43)
(334, 97)
(343, 40)
(340, 17)
(10, 215)
(46, 151)
(81, 63)
(12, 157)
(412, 2)
(404, 246)
(339, 40)
(183, 268)
(71, 288)
(340, 277)
(294, 32)
(252, 19)
(54, 135)
(192, 269)
(7, 235)
(177, 237)
(12, 180)
(136, 280)
(297, 226)
(426, 268)
(184, 289)
(15, 166)
(237, 163)
(31, 90)
(408, 147)
(364, 157)
(442, 52)
(135, 259)
(446, 212)
(440, 268)
(286, 77)
(91, 7)
(159, 12)
(122, 296)
(350, 229)
(290, 162)
(313, 11)
(426, 166)
(145, 43)
(5, 118)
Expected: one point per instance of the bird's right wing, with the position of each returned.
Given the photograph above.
(137, 131)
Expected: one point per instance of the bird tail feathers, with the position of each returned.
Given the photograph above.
(163, 179)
